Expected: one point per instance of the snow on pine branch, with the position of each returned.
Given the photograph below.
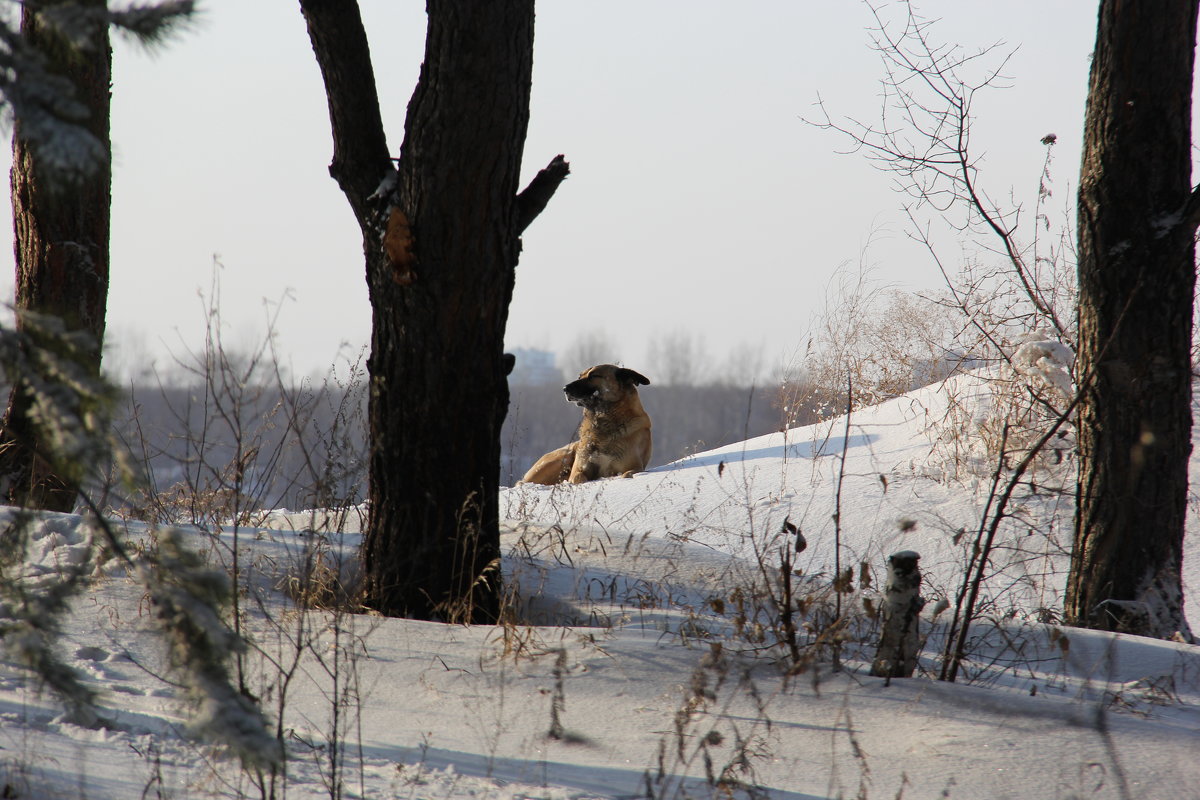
(45, 102)
(46, 561)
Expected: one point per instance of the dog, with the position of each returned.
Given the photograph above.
(614, 436)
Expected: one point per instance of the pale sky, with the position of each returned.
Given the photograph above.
(699, 200)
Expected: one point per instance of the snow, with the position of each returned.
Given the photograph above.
(1044, 357)
(648, 646)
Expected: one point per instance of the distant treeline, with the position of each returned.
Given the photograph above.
(242, 447)
(213, 452)
(685, 419)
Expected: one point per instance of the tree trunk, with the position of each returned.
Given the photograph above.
(441, 254)
(439, 391)
(899, 647)
(61, 245)
(1136, 282)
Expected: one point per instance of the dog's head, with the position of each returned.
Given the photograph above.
(603, 386)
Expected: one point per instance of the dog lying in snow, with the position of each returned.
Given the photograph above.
(614, 436)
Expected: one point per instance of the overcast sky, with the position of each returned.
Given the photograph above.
(699, 199)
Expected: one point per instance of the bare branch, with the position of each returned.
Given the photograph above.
(923, 137)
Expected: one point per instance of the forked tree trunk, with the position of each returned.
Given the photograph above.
(440, 285)
(1136, 282)
(61, 246)
(439, 390)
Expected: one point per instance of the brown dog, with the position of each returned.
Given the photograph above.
(614, 437)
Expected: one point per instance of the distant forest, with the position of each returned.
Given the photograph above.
(242, 445)
(686, 419)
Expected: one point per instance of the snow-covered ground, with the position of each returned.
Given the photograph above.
(650, 666)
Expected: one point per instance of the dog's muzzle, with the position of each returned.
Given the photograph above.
(581, 393)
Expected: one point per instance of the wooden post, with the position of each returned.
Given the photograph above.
(899, 644)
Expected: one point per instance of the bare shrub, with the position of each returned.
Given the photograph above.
(882, 341)
(322, 577)
(229, 435)
(707, 742)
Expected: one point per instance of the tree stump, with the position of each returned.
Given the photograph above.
(899, 644)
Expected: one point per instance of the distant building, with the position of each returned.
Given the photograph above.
(534, 368)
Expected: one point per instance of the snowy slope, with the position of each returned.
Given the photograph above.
(917, 476)
(659, 682)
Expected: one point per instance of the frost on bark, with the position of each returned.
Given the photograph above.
(441, 240)
(899, 643)
(61, 230)
(1136, 281)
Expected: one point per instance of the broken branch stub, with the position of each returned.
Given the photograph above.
(899, 643)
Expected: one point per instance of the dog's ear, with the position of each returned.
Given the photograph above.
(629, 376)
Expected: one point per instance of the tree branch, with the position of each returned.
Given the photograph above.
(936, 166)
(1191, 211)
(532, 201)
(360, 151)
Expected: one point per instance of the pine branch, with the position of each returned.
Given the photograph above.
(152, 24)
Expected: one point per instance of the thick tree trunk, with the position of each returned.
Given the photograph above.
(1136, 281)
(440, 285)
(439, 390)
(61, 243)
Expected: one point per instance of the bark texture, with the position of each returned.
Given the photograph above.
(438, 392)
(62, 254)
(899, 646)
(1136, 283)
